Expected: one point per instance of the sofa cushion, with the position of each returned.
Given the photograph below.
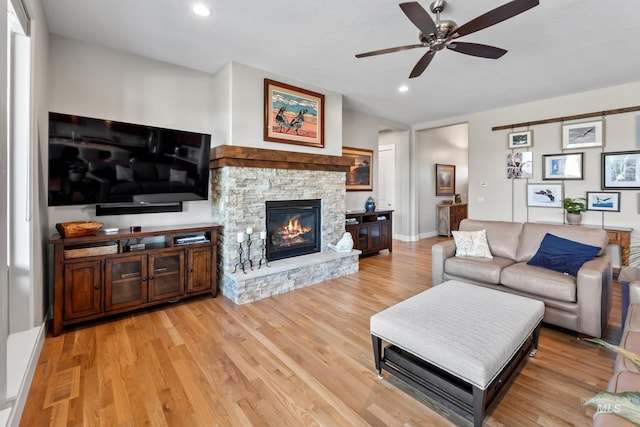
(533, 233)
(539, 281)
(472, 244)
(502, 236)
(630, 341)
(603, 419)
(562, 255)
(633, 318)
(477, 269)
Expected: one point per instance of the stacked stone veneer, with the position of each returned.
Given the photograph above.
(238, 201)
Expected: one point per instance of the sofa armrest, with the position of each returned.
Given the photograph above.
(634, 292)
(594, 295)
(439, 254)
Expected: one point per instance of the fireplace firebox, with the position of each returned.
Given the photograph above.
(293, 228)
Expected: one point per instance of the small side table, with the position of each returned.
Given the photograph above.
(626, 276)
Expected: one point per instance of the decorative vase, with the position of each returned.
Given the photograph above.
(370, 205)
(574, 219)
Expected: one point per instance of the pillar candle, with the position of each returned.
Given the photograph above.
(249, 230)
(240, 237)
(263, 235)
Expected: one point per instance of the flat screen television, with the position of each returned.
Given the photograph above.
(104, 162)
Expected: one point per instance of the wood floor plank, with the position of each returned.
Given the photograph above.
(300, 358)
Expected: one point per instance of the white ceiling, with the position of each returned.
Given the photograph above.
(557, 48)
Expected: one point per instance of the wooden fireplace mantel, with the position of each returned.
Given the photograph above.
(230, 155)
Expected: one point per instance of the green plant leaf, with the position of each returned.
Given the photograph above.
(625, 405)
(631, 356)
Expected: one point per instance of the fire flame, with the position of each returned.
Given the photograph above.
(294, 229)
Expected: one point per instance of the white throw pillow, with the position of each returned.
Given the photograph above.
(472, 243)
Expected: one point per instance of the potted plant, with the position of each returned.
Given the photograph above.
(574, 209)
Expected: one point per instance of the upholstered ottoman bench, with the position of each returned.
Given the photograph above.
(457, 343)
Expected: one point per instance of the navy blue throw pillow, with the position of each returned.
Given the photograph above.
(565, 256)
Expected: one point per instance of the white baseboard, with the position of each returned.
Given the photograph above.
(413, 238)
(23, 350)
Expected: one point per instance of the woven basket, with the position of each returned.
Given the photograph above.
(78, 228)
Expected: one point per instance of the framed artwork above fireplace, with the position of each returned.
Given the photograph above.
(293, 115)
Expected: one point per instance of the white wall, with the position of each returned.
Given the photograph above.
(93, 81)
(361, 131)
(442, 145)
(504, 199)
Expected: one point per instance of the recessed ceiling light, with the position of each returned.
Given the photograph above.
(201, 9)
(403, 88)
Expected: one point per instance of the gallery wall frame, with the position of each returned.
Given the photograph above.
(582, 135)
(520, 165)
(293, 115)
(547, 195)
(360, 175)
(445, 180)
(563, 166)
(608, 201)
(521, 139)
(620, 170)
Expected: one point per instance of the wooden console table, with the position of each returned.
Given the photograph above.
(621, 236)
(109, 273)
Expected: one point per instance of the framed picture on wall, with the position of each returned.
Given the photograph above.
(544, 195)
(603, 201)
(621, 170)
(562, 166)
(581, 135)
(445, 180)
(520, 165)
(360, 175)
(293, 115)
(521, 139)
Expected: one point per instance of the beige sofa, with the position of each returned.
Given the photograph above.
(580, 303)
(625, 375)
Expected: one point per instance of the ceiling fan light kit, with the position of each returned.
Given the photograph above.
(441, 33)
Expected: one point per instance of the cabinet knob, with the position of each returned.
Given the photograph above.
(190, 270)
(144, 279)
(96, 287)
(151, 277)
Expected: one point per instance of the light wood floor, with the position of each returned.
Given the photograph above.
(299, 359)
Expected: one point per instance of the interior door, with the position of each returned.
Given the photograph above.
(386, 177)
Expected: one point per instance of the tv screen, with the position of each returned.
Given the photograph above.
(94, 161)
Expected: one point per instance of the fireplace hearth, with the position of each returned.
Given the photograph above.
(293, 228)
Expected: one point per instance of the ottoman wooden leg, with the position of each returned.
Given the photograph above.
(536, 337)
(377, 351)
(478, 406)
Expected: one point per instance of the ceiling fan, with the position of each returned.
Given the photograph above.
(444, 33)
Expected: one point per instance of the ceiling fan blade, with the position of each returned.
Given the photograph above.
(422, 64)
(476, 49)
(389, 50)
(499, 14)
(419, 17)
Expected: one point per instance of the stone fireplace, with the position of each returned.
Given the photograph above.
(243, 181)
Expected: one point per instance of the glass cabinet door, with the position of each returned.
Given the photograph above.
(166, 275)
(126, 282)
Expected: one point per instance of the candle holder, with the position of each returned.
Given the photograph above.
(249, 251)
(263, 254)
(240, 262)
